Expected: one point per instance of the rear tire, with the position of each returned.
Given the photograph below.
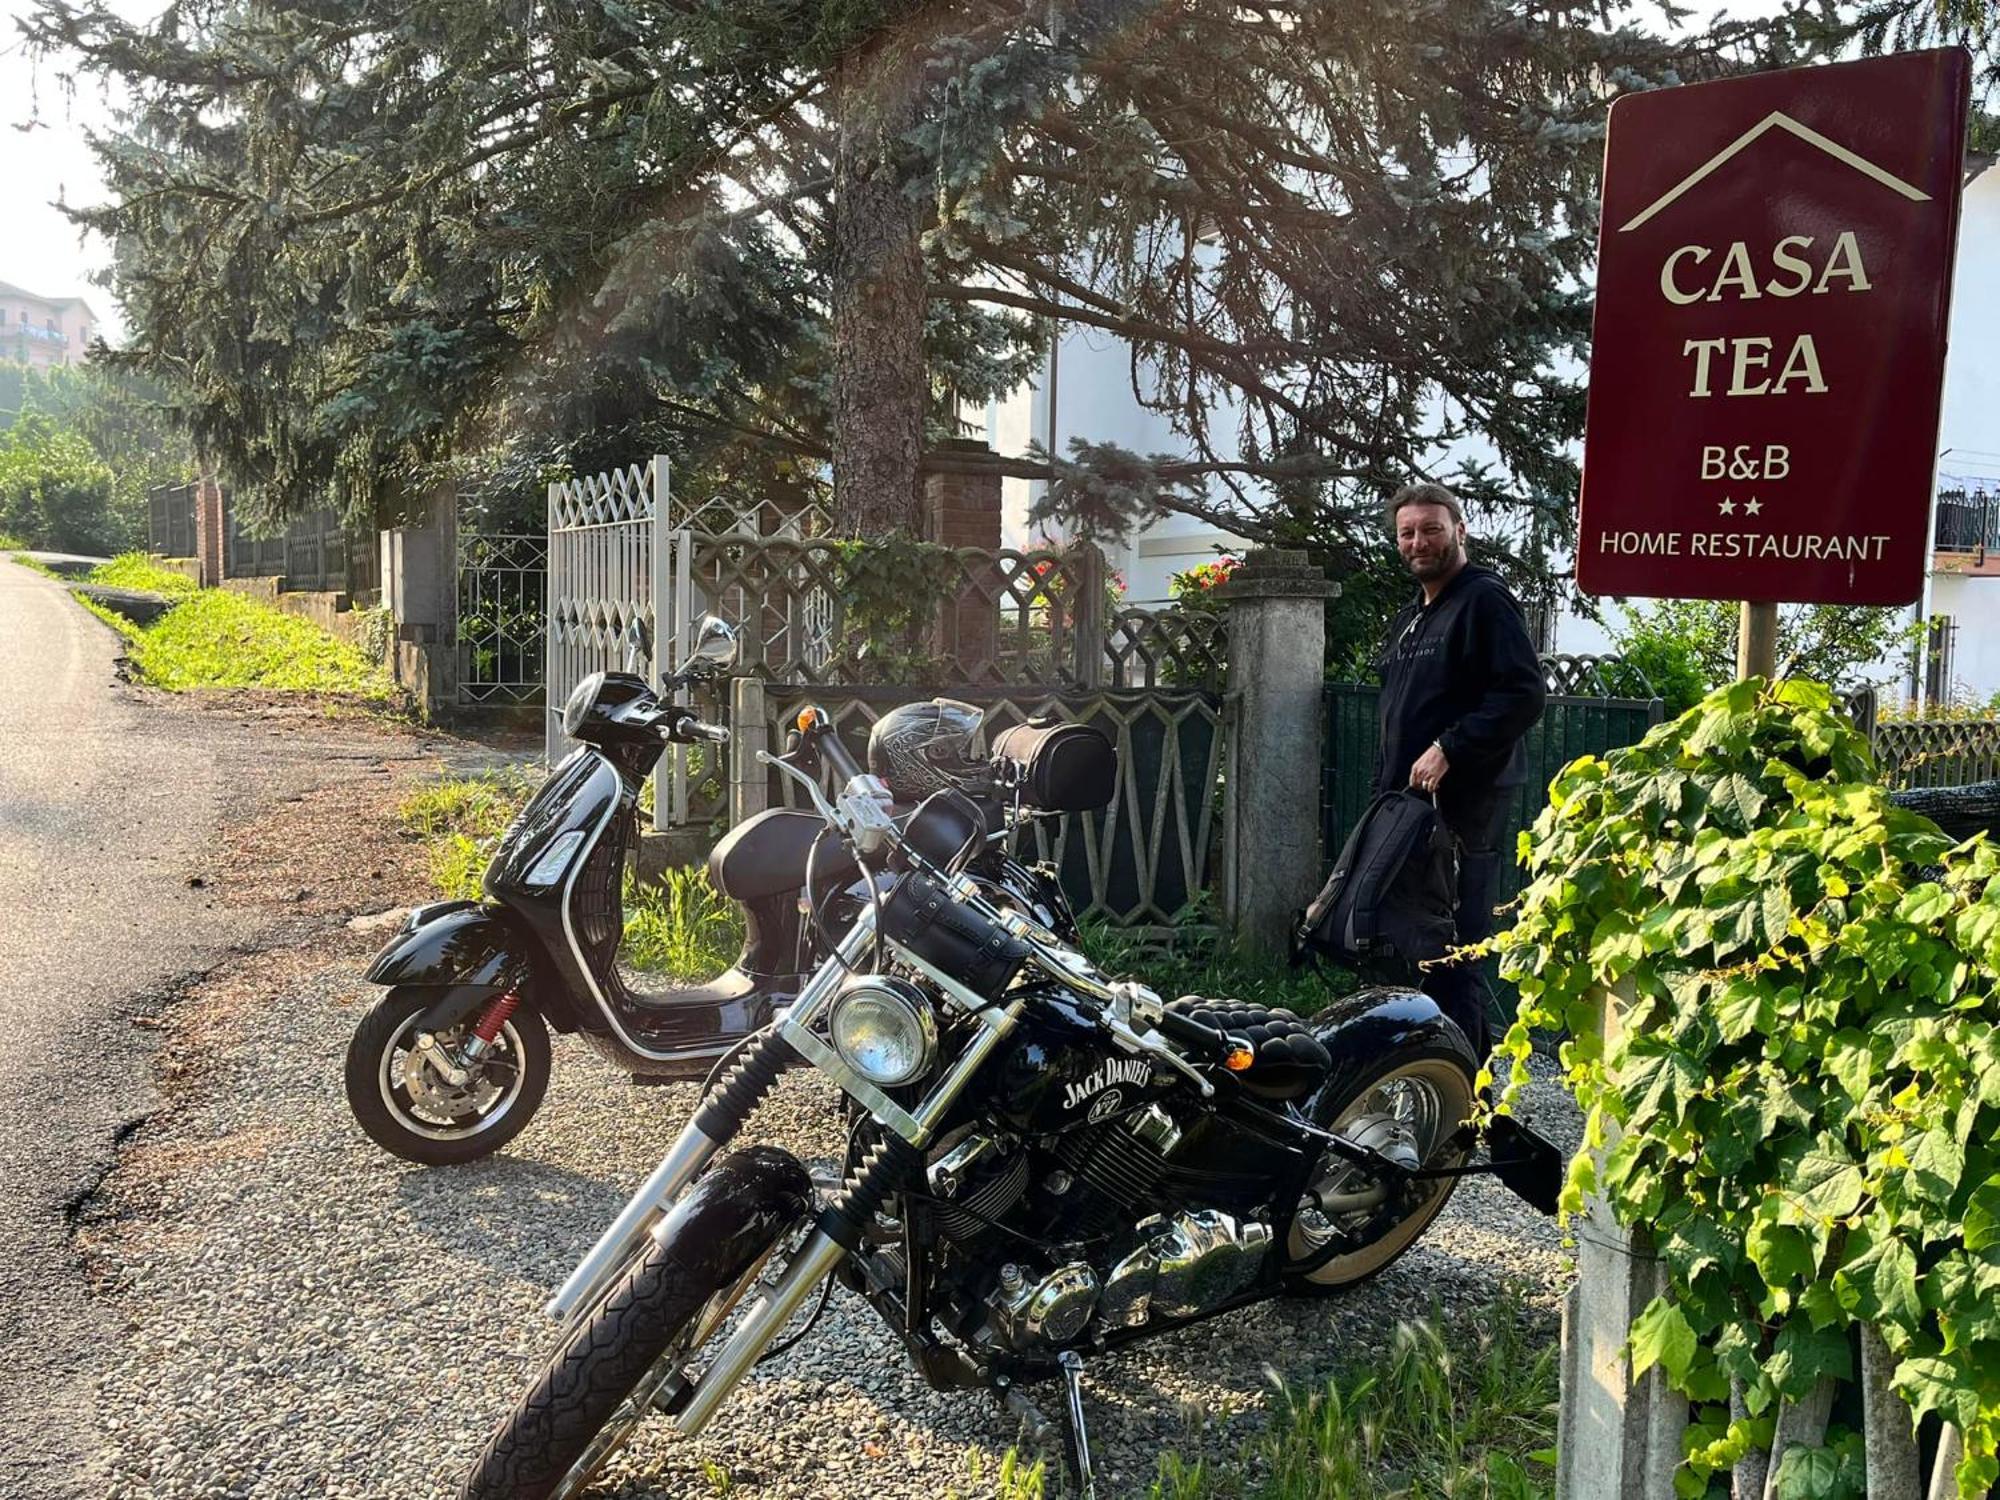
(1421, 1091)
(417, 1115)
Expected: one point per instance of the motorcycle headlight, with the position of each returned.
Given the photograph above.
(884, 1030)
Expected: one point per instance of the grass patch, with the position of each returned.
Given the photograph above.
(111, 617)
(217, 639)
(1455, 1412)
(681, 927)
(34, 565)
(135, 570)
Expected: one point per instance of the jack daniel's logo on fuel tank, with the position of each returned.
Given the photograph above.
(1103, 1076)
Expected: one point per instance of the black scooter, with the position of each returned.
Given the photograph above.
(454, 1060)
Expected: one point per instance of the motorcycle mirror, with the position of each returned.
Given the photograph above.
(638, 646)
(715, 645)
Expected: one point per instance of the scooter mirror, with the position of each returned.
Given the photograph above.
(714, 645)
(638, 646)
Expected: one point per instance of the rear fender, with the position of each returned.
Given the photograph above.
(1363, 1027)
(734, 1210)
(469, 953)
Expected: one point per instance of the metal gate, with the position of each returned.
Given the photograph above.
(616, 557)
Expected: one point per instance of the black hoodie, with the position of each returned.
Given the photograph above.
(1460, 671)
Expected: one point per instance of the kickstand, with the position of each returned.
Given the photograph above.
(1076, 1442)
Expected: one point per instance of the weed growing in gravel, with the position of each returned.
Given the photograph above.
(682, 927)
(1465, 1412)
(135, 570)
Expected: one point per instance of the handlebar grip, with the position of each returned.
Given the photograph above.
(835, 752)
(1205, 1040)
(706, 731)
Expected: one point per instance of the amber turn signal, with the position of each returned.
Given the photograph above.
(808, 719)
(1239, 1059)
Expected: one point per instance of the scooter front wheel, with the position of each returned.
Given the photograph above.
(402, 1097)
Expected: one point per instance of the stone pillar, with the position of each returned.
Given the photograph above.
(963, 510)
(749, 732)
(211, 541)
(420, 589)
(1277, 641)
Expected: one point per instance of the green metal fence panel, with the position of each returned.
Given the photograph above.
(1570, 726)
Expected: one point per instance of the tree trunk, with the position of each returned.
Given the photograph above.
(877, 290)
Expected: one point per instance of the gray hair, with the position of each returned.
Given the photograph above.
(1424, 494)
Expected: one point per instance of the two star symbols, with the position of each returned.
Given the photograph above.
(1750, 506)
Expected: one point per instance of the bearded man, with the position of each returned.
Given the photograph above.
(1461, 685)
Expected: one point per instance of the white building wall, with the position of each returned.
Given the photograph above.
(1094, 401)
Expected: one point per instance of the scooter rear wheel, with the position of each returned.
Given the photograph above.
(408, 1107)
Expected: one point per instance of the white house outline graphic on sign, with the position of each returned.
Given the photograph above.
(1805, 133)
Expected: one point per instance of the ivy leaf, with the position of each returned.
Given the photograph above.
(1661, 1336)
(1812, 1474)
(1880, 1284)
(1924, 904)
(1982, 1217)
(1740, 797)
(1741, 1007)
(1930, 1384)
(1936, 1165)
(1777, 914)
(1851, 1061)
(1804, 1353)
(1781, 1254)
(1828, 1185)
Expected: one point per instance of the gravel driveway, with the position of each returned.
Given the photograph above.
(307, 1315)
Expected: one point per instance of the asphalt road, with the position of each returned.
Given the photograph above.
(101, 815)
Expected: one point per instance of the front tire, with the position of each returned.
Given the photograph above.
(410, 1109)
(1409, 1103)
(602, 1378)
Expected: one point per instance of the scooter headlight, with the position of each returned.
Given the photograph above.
(883, 1028)
(581, 700)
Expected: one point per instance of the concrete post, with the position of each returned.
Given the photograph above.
(749, 732)
(1277, 641)
(420, 588)
(1615, 1439)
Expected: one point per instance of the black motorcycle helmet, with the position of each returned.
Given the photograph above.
(921, 748)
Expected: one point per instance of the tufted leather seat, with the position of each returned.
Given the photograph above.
(1289, 1061)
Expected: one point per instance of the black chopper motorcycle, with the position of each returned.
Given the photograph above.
(1045, 1162)
(453, 1061)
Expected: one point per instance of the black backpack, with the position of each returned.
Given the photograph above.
(1392, 891)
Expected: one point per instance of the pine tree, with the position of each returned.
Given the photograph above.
(366, 243)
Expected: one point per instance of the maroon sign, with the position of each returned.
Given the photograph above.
(1774, 271)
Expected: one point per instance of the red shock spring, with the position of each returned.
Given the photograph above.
(494, 1017)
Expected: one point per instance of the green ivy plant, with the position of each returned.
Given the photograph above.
(895, 589)
(1801, 1099)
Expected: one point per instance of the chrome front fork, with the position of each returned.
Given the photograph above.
(692, 1151)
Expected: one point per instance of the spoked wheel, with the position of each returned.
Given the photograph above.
(1408, 1108)
(644, 1339)
(403, 1097)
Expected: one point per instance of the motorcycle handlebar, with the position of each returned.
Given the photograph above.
(703, 730)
